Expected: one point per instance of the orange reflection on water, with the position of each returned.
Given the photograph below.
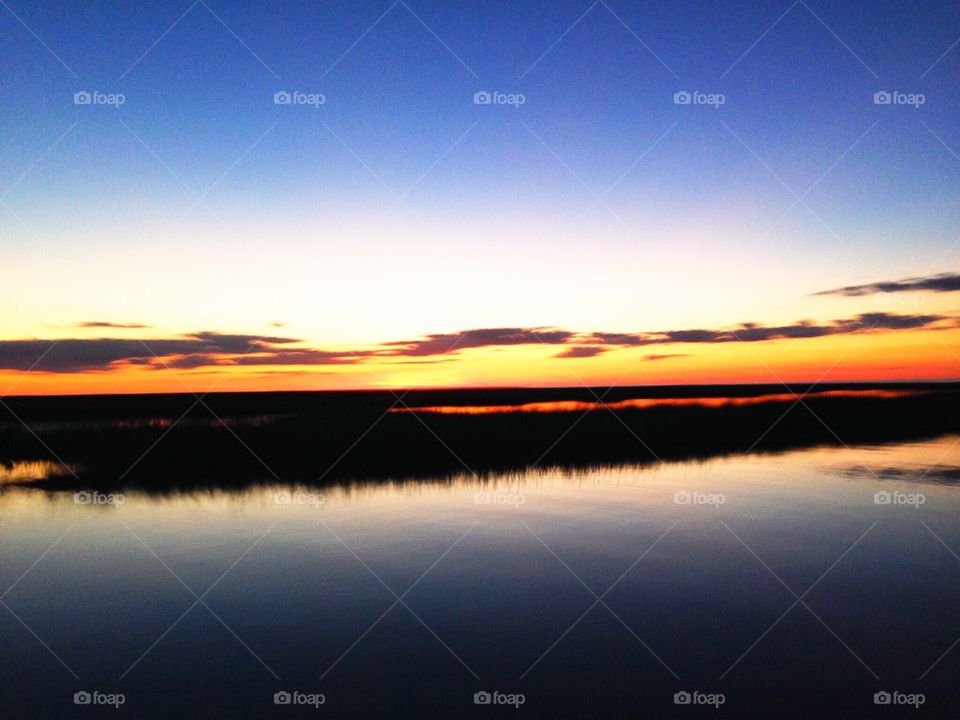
(22, 471)
(643, 403)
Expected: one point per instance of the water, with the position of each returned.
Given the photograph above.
(698, 568)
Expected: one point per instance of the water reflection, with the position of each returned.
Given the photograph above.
(27, 471)
(647, 403)
(499, 579)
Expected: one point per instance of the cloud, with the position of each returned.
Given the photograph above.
(240, 343)
(485, 337)
(216, 350)
(944, 282)
(665, 356)
(581, 351)
(84, 355)
(117, 326)
(751, 332)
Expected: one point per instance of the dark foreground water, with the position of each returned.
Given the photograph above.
(800, 584)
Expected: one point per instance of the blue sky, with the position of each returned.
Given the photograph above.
(399, 99)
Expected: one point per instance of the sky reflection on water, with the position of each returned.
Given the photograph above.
(694, 563)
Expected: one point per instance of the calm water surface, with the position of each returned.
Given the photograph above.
(783, 582)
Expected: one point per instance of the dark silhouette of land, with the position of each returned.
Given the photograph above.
(173, 442)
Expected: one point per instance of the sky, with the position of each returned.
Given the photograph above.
(186, 229)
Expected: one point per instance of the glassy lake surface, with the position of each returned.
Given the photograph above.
(406, 599)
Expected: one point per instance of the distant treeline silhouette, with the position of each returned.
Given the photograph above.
(175, 442)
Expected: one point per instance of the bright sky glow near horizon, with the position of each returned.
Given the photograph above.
(333, 239)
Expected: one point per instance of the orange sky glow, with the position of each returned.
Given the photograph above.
(870, 356)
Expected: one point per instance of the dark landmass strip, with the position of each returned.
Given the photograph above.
(164, 443)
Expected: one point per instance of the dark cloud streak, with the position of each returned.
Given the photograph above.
(664, 356)
(581, 351)
(115, 326)
(943, 282)
(217, 350)
(441, 344)
(85, 355)
(751, 332)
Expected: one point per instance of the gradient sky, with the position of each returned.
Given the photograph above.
(399, 209)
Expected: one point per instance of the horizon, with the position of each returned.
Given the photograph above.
(817, 386)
